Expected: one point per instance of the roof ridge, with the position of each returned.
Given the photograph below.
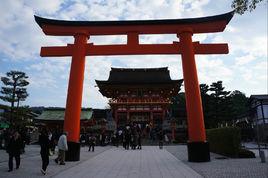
(138, 69)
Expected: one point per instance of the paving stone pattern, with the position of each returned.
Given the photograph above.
(223, 168)
(31, 163)
(150, 162)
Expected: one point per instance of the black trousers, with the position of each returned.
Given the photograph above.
(161, 144)
(10, 161)
(139, 144)
(45, 160)
(91, 146)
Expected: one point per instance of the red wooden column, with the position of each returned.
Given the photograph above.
(198, 148)
(74, 96)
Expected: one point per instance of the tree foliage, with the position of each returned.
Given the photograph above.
(239, 102)
(219, 102)
(241, 6)
(14, 87)
(219, 105)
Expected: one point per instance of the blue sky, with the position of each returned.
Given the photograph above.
(244, 68)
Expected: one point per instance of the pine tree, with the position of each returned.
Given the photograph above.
(14, 88)
(207, 106)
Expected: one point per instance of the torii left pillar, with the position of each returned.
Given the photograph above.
(74, 97)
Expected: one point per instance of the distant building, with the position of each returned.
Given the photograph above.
(142, 96)
(53, 118)
(95, 120)
(259, 115)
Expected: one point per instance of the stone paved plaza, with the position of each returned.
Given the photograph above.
(224, 168)
(150, 162)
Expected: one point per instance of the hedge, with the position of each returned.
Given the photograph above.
(243, 153)
(224, 141)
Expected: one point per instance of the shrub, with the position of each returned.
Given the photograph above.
(224, 141)
(243, 153)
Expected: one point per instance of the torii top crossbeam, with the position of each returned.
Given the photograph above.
(166, 26)
(133, 29)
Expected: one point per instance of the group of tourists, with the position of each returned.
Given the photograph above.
(47, 143)
(90, 140)
(130, 136)
(14, 140)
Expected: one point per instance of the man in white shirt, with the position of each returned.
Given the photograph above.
(62, 147)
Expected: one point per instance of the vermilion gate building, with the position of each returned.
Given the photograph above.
(198, 147)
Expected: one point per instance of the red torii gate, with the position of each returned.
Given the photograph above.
(198, 147)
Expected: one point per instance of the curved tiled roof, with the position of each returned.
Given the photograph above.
(44, 21)
(58, 114)
(133, 76)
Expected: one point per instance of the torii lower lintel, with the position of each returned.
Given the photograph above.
(198, 148)
(97, 50)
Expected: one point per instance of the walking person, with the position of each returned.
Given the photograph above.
(62, 146)
(166, 138)
(139, 140)
(160, 138)
(116, 139)
(53, 141)
(127, 137)
(92, 143)
(44, 143)
(14, 148)
(124, 139)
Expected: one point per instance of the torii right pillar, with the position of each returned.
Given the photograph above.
(198, 147)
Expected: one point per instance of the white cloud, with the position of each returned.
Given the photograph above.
(232, 29)
(21, 39)
(75, 11)
(20, 36)
(212, 70)
(49, 73)
(44, 7)
(244, 59)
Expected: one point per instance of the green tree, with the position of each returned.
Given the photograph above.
(220, 102)
(14, 88)
(204, 88)
(241, 6)
(207, 106)
(179, 100)
(240, 103)
(218, 90)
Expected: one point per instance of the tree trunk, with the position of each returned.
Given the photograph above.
(18, 103)
(13, 95)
